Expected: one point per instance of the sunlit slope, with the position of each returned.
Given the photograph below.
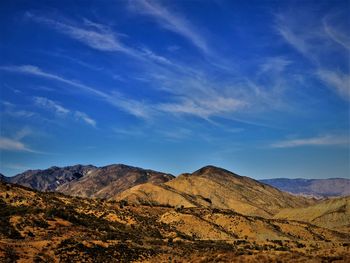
(332, 213)
(52, 227)
(216, 187)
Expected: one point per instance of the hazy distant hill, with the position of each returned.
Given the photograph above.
(313, 187)
(88, 180)
(215, 187)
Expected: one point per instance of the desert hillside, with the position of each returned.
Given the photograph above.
(216, 188)
(332, 213)
(319, 188)
(46, 227)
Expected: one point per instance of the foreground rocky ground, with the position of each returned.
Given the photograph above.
(52, 227)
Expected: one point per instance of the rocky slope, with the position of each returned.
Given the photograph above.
(88, 180)
(217, 188)
(110, 180)
(312, 187)
(52, 227)
(332, 213)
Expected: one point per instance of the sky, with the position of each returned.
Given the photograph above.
(261, 88)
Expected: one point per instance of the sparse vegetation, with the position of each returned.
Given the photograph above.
(74, 229)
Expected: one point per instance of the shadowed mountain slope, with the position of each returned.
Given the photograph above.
(312, 187)
(110, 180)
(88, 180)
(3, 178)
(51, 178)
(215, 187)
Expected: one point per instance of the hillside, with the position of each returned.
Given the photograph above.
(3, 178)
(215, 187)
(88, 180)
(52, 227)
(312, 187)
(332, 213)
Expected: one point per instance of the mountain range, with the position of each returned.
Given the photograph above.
(107, 181)
(318, 188)
(209, 186)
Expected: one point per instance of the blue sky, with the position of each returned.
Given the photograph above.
(261, 88)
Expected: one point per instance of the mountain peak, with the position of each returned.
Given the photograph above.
(213, 170)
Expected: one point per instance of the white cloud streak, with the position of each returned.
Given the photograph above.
(130, 106)
(170, 21)
(51, 105)
(84, 117)
(315, 41)
(94, 35)
(99, 37)
(339, 81)
(336, 35)
(9, 144)
(327, 140)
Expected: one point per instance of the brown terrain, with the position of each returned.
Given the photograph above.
(216, 188)
(211, 215)
(332, 213)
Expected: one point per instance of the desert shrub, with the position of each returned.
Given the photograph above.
(207, 200)
(40, 223)
(179, 208)
(123, 203)
(10, 255)
(70, 250)
(300, 245)
(8, 230)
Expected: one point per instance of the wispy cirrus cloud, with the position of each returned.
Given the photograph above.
(173, 22)
(97, 36)
(318, 41)
(133, 107)
(12, 110)
(51, 105)
(336, 34)
(338, 80)
(84, 117)
(10, 144)
(327, 140)
(61, 111)
(203, 108)
(92, 34)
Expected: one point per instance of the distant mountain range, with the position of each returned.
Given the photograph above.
(319, 188)
(88, 180)
(108, 181)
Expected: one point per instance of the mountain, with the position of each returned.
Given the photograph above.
(50, 179)
(110, 180)
(3, 178)
(312, 187)
(333, 213)
(211, 186)
(88, 180)
(52, 227)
